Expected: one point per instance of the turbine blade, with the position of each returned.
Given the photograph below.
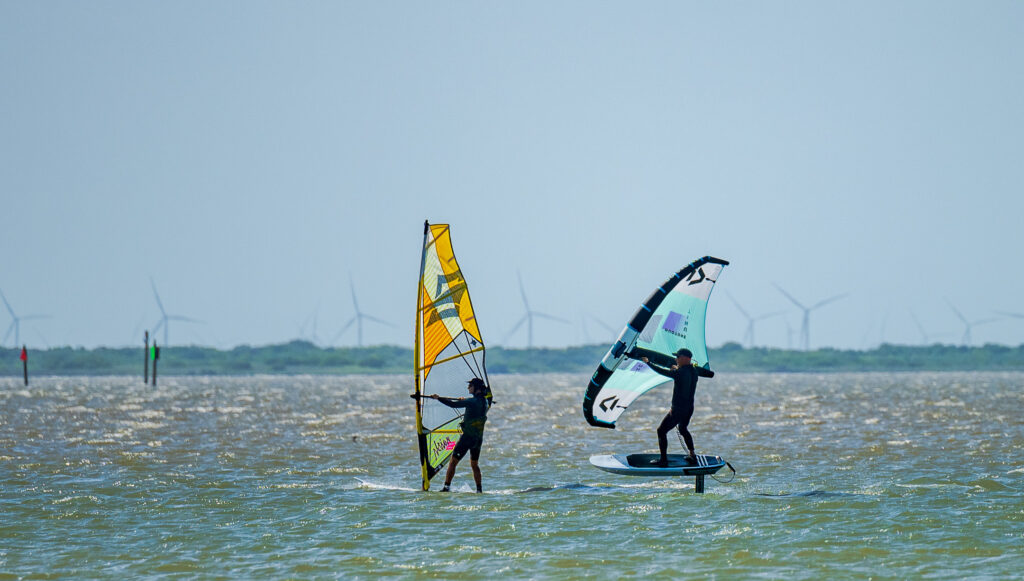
(42, 338)
(376, 320)
(522, 291)
(790, 297)
(516, 327)
(733, 299)
(343, 329)
(1008, 314)
(352, 287)
(157, 295)
(8, 334)
(829, 300)
(549, 317)
(27, 317)
(184, 318)
(135, 331)
(606, 326)
(8, 305)
(958, 314)
(919, 327)
(769, 315)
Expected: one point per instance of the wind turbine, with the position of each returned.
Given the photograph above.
(969, 324)
(165, 319)
(313, 338)
(16, 322)
(748, 336)
(805, 325)
(528, 317)
(358, 319)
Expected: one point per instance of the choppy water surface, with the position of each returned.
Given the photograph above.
(840, 475)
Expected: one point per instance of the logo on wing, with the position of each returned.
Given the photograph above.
(610, 403)
(677, 324)
(697, 277)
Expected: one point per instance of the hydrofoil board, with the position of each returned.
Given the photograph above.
(647, 464)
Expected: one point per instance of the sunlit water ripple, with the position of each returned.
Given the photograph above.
(839, 475)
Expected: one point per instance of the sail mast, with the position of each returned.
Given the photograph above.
(418, 361)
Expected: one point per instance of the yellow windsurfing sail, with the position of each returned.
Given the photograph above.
(448, 349)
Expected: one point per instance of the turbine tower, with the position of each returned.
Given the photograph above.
(969, 324)
(358, 319)
(805, 324)
(748, 335)
(165, 319)
(16, 322)
(529, 316)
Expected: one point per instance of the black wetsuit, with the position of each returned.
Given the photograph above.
(682, 402)
(472, 424)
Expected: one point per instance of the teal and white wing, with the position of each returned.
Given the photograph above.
(672, 318)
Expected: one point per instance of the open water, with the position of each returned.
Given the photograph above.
(915, 475)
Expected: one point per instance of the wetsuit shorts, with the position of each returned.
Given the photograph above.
(468, 443)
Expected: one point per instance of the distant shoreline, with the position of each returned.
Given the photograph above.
(304, 358)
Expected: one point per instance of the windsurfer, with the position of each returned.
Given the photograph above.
(685, 375)
(472, 429)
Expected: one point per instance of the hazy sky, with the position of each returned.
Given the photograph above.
(251, 157)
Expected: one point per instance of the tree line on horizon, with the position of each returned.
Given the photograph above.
(302, 357)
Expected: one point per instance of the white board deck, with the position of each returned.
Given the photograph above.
(644, 464)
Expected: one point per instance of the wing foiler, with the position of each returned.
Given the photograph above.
(448, 349)
(670, 319)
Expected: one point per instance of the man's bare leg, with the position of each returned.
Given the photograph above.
(476, 474)
(450, 474)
